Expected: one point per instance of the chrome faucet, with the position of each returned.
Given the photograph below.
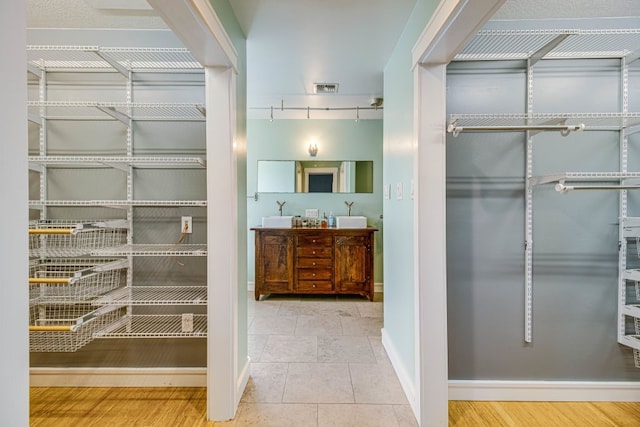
(349, 207)
(280, 205)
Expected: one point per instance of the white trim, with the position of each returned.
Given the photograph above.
(406, 381)
(222, 259)
(118, 377)
(553, 391)
(200, 29)
(451, 26)
(243, 380)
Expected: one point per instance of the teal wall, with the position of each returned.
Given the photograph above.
(238, 38)
(337, 140)
(399, 298)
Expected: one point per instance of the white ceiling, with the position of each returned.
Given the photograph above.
(292, 44)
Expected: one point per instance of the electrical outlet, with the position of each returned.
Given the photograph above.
(186, 225)
(187, 322)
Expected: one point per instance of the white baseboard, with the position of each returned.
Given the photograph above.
(118, 377)
(556, 391)
(406, 381)
(378, 287)
(243, 379)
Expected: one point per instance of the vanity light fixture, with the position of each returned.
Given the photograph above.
(313, 149)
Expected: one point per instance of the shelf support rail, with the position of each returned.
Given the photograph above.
(564, 129)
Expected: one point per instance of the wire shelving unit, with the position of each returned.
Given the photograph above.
(74, 300)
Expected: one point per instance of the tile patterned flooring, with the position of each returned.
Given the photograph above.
(319, 361)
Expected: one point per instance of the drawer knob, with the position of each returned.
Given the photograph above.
(314, 274)
(314, 252)
(314, 263)
(314, 285)
(314, 240)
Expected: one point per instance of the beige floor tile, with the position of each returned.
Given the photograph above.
(376, 383)
(361, 325)
(369, 309)
(356, 416)
(345, 349)
(318, 383)
(276, 415)
(318, 325)
(290, 348)
(263, 308)
(271, 325)
(266, 383)
(404, 415)
(255, 346)
(378, 350)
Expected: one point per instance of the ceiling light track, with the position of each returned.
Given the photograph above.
(309, 109)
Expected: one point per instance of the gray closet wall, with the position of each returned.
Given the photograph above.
(575, 241)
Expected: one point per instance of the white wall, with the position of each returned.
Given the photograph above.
(14, 371)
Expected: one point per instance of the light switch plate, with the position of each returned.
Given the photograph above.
(311, 213)
(387, 191)
(187, 322)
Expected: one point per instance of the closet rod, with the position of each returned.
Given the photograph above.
(561, 188)
(564, 129)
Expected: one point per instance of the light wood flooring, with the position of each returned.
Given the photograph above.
(172, 407)
(316, 362)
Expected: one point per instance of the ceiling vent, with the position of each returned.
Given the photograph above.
(325, 88)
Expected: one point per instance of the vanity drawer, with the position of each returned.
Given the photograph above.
(315, 286)
(315, 274)
(314, 251)
(315, 240)
(314, 262)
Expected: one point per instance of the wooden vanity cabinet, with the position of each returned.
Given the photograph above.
(274, 263)
(314, 261)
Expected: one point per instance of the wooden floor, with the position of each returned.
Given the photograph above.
(174, 407)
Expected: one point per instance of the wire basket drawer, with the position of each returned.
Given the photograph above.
(74, 238)
(67, 327)
(73, 280)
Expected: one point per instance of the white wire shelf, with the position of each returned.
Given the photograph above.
(550, 44)
(604, 178)
(631, 227)
(74, 238)
(153, 250)
(73, 280)
(47, 57)
(67, 327)
(71, 110)
(542, 121)
(632, 310)
(157, 326)
(137, 162)
(121, 204)
(632, 341)
(156, 295)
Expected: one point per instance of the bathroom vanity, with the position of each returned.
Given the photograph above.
(314, 261)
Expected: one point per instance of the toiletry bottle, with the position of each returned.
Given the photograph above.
(324, 222)
(332, 220)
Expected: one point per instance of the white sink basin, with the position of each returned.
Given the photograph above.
(277, 221)
(351, 222)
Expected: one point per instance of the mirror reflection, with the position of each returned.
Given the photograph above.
(291, 176)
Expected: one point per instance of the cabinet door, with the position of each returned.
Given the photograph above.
(276, 264)
(353, 264)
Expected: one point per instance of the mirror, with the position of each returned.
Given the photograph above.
(291, 176)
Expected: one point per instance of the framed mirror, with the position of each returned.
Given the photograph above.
(327, 176)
